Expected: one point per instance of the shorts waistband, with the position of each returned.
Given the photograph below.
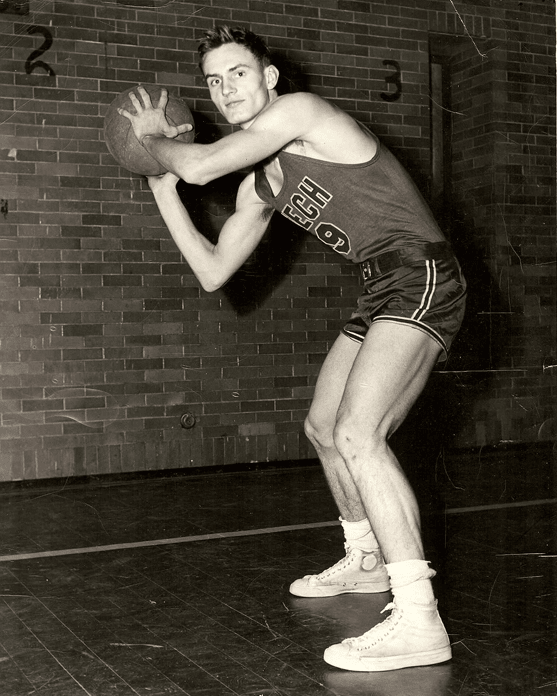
(376, 266)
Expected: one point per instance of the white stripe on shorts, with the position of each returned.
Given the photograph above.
(427, 297)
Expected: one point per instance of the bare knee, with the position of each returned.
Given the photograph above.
(319, 434)
(357, 442)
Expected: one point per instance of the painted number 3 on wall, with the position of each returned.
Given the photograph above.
(31, 64)
(393, 79)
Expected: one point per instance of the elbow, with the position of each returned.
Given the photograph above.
(194, 173)
(209, 286)
(193, 178)
(213, 283)
(201, 178)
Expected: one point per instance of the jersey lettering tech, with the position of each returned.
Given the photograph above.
(359, 210)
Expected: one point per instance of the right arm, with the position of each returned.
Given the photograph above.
(214, 264)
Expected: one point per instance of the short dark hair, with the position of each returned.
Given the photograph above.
(221, 35)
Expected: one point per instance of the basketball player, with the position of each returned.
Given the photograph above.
(331, 176)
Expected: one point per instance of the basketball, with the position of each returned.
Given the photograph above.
(120, 138)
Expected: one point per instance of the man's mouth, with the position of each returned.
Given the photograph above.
(232, 104)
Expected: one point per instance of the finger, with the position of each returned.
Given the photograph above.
(125, 113)
(184, 128)
(145, 96)
(163, 99)
(135, 101)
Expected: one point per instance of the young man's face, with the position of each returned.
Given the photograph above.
(239, 86)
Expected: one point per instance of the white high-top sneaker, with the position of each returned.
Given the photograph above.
(412, 636)
(358, 571)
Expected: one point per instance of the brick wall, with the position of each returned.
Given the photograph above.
(106, 340)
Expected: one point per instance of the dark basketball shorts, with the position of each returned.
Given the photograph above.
(428, 295)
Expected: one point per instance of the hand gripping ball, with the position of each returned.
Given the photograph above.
(120, 138)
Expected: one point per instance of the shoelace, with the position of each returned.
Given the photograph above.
(377, 631)
(339, 565)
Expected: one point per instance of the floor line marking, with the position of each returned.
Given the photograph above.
(501, 506)
(166, 542)
(242, 533)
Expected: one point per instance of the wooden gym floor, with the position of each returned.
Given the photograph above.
(179, 585)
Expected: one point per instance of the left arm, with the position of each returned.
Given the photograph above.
(287, 118)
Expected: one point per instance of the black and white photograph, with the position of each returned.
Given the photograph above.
(278, 348)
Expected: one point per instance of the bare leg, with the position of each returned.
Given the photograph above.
(362, 396)
(362, 569)
(365, 478)
(388, 374)
(321, 422)
(363, 393)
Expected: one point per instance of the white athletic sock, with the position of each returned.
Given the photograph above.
(411, 581)
(359, 535)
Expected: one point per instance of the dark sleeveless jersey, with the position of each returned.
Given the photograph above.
(359, 210)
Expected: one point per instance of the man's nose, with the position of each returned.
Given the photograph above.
(227, 87)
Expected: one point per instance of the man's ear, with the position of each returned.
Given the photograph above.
(272, 76)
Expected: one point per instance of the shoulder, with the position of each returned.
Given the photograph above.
(304, 119)
(300, 104)
(299, 110)
(319, 129)
(304, 99)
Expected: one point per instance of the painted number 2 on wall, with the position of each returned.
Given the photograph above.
(31, 64)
